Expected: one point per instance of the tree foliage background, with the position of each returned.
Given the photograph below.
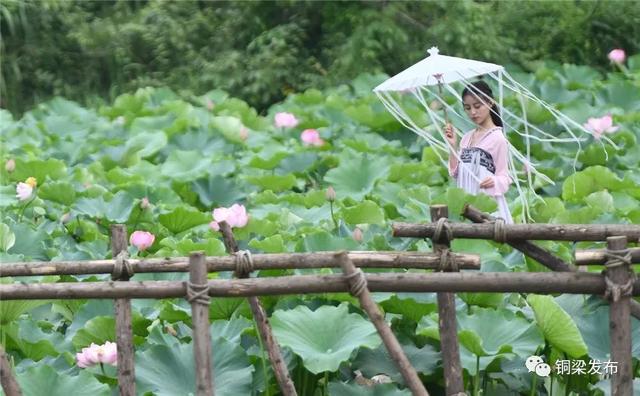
(260, 51)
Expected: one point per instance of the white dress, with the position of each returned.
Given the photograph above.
(487, 158)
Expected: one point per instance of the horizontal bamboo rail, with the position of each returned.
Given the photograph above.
(597, 256)
(418, 260)
(513, 232)
(493, 282)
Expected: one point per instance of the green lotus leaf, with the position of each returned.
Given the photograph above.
(600, 200)
(185, 165)
(276, 183)
(557, 326)
(228, 308)
(7, 237)
(170, 370)
(372, 362)
(218, 191)
(354, 389)
(146, 144)
(323, 241)
(211, 246)
(592, 179)
(52, 168)
(43, 380)
(268, 157)
(409, 308)
(272, 244)
(30, 242)
(60, 192)
(228, 126)
(183, 218)
(593, 324)
(364, 212)
(312, 335)
(356, 175)
(97, 330)
(231, 329)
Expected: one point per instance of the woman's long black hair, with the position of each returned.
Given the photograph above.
(482, 90)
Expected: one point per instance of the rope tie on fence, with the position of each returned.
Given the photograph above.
(617, 258)
(243, 263)
(499, 231)
(198, 293)
(447, 261)
(122, 269)
(357, 282)
(442, 225)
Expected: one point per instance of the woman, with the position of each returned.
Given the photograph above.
(484, 151)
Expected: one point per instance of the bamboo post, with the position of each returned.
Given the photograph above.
(618, 278)
(10, 385)
(358, 288)
(264, 328)
(124, 330)
(447, 314)
(198, 296)
(548, 259)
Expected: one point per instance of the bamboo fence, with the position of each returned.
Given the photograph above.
(617, 284)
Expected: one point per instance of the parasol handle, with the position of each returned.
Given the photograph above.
(444, 108)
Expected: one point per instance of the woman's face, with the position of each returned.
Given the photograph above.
(478, 110)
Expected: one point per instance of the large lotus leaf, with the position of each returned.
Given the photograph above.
(60, 192)
(183, 218)
(228, 308)
(557, 326)
(409, 308)
(269, 156)
(594, 326)
(210, 246)
(117, 209)
(272, 244)
(356, 175)
(43, 380)
(52, 168)
(592, 179)
(323, 338)
(170, 370)
(377, 361)
(600, 200)
(29, 242)
(25, 336)
(229, 126)
(7, 237)
(276, 183)
(297, 163)
(364, 212)
(146, 144)
(488, 332)
(231, 329)
(323, 241)
(353, 389)
(185, 165)
(217, 190)
(97, 330)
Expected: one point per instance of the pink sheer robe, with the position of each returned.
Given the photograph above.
(487, 158)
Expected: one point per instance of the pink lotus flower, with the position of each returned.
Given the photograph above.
(311, 137)
(330, 194)
(235, 216)
(285, 120)
(617, 56)
(144, 203)
(24, 190)
(357, 235)
(10, 165)
(142, 239)
(244, 133)
(96, 354)
(599, 126)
